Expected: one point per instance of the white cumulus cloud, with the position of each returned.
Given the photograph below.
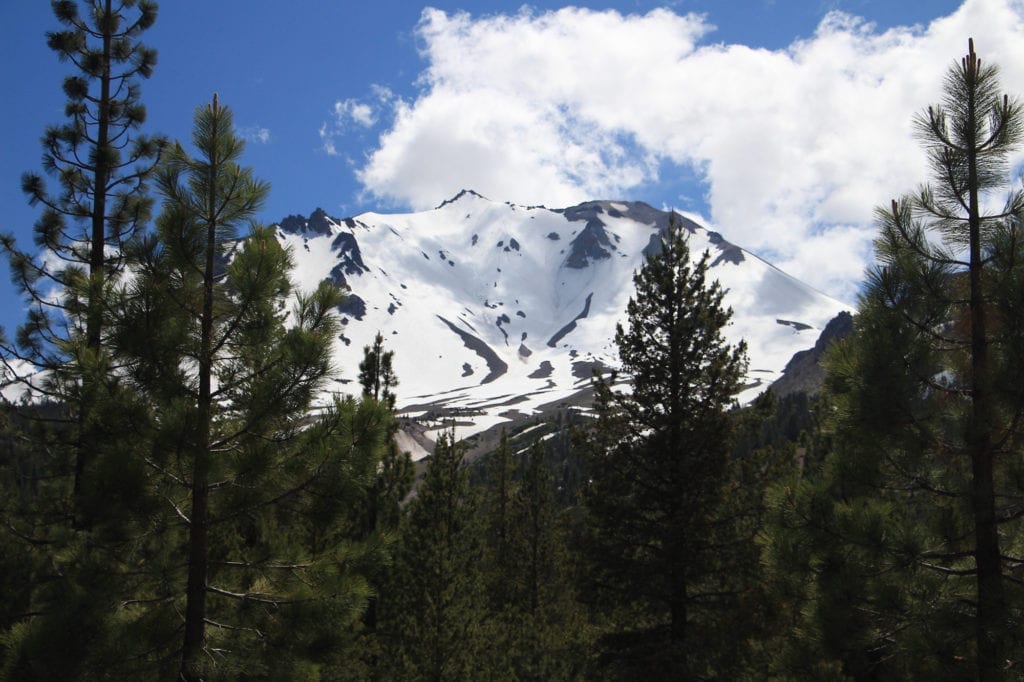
(255, 134)
(353, 112)
(357, 112)
(795, 146)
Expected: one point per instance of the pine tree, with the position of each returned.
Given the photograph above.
(817, 572)
(550, 628)
(102, 164)
(434, 604)
(78, 498)
(922, 490)
(498, 497)
(502, 578)
(968, 140)
(658, 462)
(262, 491)
(376, 373)
(941, 260)
(396, 474)
(381, 516)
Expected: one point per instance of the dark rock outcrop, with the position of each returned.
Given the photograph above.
(589, 246)
(353, 306)
(728, 252)
(495, 365)
(318, 223)
(561, 333)
(462, 193)
(804, 373)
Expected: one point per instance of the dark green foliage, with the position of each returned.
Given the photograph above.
(218, 468)
(497, 507)
(232, 374)
(392, 484)
(434, 605)
(376, 374)
(381, 515)
(396, 474)
(549, 631)
(903, 539)
(537, 627)
(102, 164)
(662, 536)
(77, 497)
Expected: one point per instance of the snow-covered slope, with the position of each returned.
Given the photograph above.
(494, 309)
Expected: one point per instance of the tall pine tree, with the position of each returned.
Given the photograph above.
(376, 373)
(549, 628)
(919, 502)
(102, 164)
(658, 462)
(263, 492)
(78, 499)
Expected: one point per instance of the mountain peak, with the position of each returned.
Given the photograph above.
(463, 193)
(497, 312)
(318, 223)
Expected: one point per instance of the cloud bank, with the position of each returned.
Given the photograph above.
(794, 147)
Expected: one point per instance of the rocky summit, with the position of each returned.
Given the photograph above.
(497, 311)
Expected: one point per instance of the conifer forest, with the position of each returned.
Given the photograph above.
(173, 508)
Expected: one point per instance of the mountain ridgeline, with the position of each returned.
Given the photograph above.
(499, 311)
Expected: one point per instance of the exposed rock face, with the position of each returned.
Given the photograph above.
(350, 260)
(318, 223)
(804, 373)
(728, 253)
(594, 243)
(495, 365)
(591, 244)
(293, 224)
(567, 329)
(353, 305)
(462, 193)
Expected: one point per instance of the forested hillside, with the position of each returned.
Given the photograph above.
(176, 503)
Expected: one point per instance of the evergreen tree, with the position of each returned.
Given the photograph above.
(659, 469)
(435, 604)
(262, 490)
(102, 164)
(550, 631)
(77, 499)
(376, 374)
(396, 474)
(381, 516)
(501, 576)
(916, 510)
(817, 572)
(500, 490)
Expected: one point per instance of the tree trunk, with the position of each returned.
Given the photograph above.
(97, 262)
(195, 600)
(991, 597)
(678, 632)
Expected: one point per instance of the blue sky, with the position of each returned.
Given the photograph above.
(780, 123)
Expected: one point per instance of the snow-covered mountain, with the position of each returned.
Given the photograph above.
(496, 310)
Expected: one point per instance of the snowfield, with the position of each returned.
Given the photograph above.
(495, 310)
